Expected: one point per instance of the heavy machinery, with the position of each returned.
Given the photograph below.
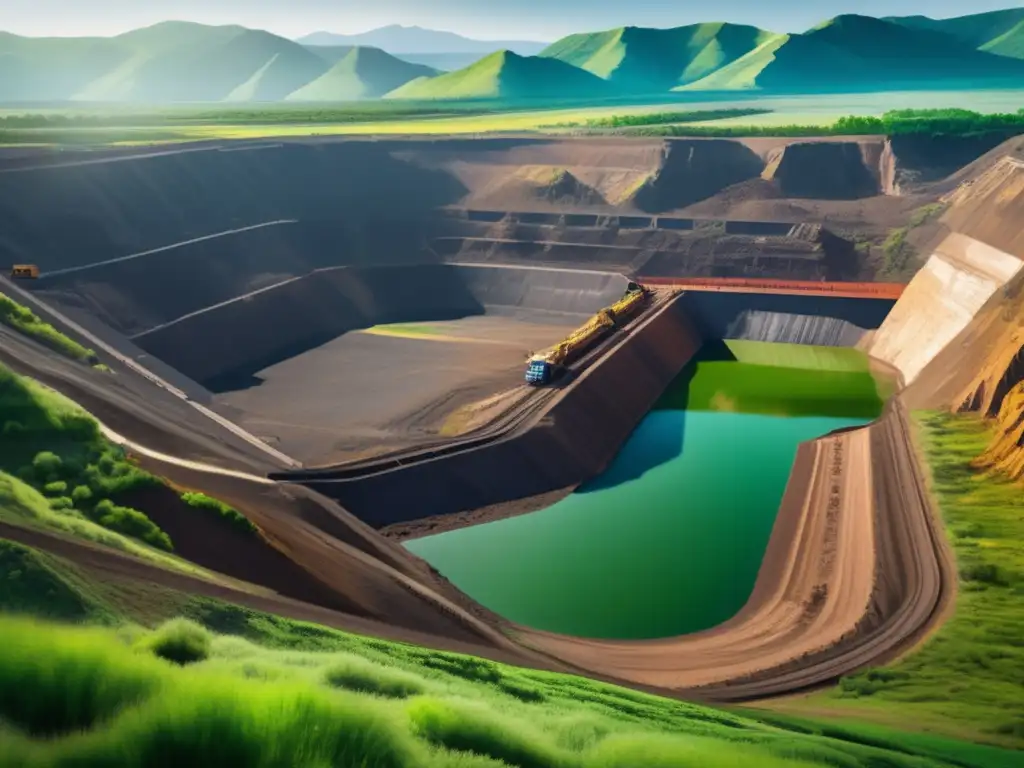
(24, 271)
(545, 367)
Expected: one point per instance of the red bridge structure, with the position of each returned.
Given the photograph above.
(788, 287)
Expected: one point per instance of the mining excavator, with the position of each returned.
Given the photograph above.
(545, 367)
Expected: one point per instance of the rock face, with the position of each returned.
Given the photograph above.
(1006, 453)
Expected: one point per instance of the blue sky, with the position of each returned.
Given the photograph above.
(489, 19)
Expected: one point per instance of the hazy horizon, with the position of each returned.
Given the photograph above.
(538, 20)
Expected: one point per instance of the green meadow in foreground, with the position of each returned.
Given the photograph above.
(967, 680)
(283, 693)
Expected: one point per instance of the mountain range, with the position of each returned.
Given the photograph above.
(188, 62)
(398, 39)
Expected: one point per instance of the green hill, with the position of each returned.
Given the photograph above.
(363, 73)
(54, 68)
(506, 75)
(998, 32)
(653, 60)
(861, 53)
(179, 61)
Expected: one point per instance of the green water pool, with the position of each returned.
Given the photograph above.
(670, 538)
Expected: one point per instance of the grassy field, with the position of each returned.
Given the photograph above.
(229, 686)
(188, 124)
(968, 679)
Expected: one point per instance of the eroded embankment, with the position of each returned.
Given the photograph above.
(572, 440)
(1006, 452)
(845, 582)
(250, 333)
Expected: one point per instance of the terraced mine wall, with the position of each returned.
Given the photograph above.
(247, 334)
(76, 214)
(818, 320)
(574, 440)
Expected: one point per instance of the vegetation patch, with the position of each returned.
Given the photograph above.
(32, 583)
(899, 122)
(220, 510)
(180, 641)
(356, 674)
(966, 680)
(24, 320)
(660, 118)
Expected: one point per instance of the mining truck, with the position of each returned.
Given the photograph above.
(545, 367)
(24, 271)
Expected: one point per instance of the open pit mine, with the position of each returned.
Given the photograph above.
(634, 408)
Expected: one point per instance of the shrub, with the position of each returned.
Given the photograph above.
(130, 522)
(61, 503)
(180, 641)
(56, 488)
(13, 428)
(228, 514)
(357, 674)
(82, 494)
(47, 465)
(985, 573)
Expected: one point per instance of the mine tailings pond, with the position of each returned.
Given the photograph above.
(670, 538)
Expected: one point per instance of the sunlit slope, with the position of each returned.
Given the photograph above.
(651, 60)
(507, 75)
(363, 73)
(860, 52)
(55, 68)
(998, 32)
(180, 61)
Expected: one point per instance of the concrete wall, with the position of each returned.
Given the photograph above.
(818, 320)
(570, 443)
(939, 303)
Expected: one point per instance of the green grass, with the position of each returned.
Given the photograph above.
(58, 472)
(968, 679)
(32, 582)
(22, 319)
(48, 443)
(104, 697)
(220, 510)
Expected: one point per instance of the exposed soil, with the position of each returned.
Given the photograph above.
(394, 390)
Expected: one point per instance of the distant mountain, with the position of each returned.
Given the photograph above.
(445, 62)
(397, 39)
(363, 73)
(507, 75)
(186, 62)
(998, 32)
(853, 52)
(653, 60)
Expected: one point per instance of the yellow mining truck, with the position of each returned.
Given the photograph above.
(544, 367)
